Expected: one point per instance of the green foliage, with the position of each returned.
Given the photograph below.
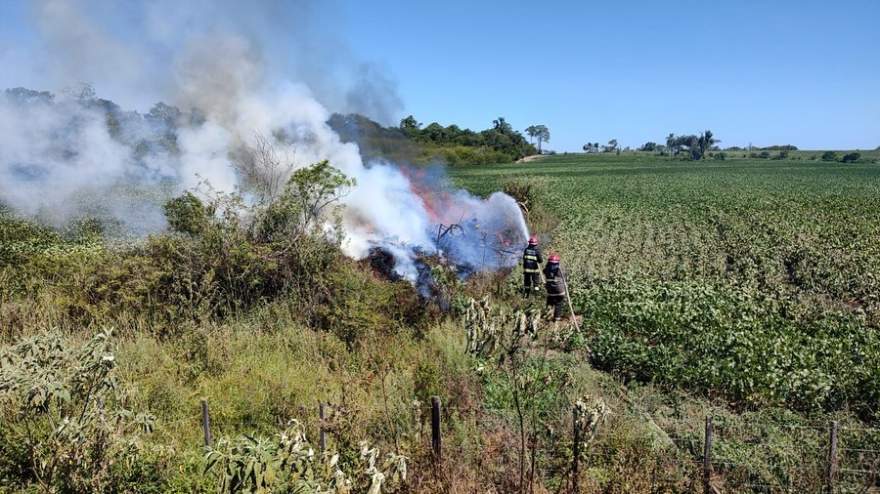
(696, 147)
(850, 157)
(750, 281)
(357, 305)
(310, 197)
(738, 342)
(66, 427)
(539, 132)
(829, 156)
(289, 463)
(410, 142)
(501, 138)
(187, 214)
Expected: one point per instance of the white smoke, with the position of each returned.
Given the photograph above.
(53, 155)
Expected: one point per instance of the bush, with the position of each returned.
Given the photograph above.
(229, 258)
(720, 156)
(187, 214)
(355, 304)
(289, 464)
(829, 156)
(65, 424)
(850, 157)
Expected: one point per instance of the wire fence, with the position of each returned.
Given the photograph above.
(829, 457)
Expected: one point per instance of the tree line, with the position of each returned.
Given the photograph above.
(692, 145)
(500, 137)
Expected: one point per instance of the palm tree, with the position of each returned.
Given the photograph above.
(706, 141)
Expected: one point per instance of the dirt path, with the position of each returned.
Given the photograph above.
(530, 158)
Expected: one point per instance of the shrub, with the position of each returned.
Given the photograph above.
(289, 463)
(720, 156)
(354, 304)
(187, 214)
(829, 156)
(229, 258)
(850, 157)
(65, 424)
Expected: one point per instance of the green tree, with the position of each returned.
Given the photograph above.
(704, 143)
(540, 133)
(850, 157)
(501, 125)
(670, 143)
(311, 194)
(829, 156)
(409, 123)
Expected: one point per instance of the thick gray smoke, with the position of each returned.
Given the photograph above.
(220, 63)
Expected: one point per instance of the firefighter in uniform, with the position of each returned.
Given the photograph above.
(555, 286)
(532, 267)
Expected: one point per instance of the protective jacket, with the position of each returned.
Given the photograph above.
(554, 283)
(532, 259)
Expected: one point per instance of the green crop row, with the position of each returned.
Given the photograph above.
(751, 280)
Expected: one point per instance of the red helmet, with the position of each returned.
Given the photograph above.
(533, 240)
(554, 258)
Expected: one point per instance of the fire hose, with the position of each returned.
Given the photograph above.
(568, 298)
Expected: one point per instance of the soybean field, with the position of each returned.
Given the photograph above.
(756, 281)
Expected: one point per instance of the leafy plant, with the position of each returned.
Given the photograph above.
(289, 463)
(65, 423)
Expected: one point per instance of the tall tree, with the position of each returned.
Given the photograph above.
(705, 142)
(501, 125)
(539, 132)
(670, 142)
(409, 124)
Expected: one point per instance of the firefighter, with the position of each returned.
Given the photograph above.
(532, 267)
(555, 286)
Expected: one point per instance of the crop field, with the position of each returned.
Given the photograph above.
(741, 290)
(757, 281)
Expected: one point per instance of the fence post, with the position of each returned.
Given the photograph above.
(435, 428)
(832, 458)
(707, 457)
(322, 434)
(206, 423)
(576, 451)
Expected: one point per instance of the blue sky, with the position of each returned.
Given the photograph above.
(804, 72)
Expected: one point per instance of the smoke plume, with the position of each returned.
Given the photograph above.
(220, 66)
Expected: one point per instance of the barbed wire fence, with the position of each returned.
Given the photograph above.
(831, 458)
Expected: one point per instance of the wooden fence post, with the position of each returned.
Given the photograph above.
(322, 434)
(832, 458)
(707, 457)
(435, 428)
(206, 423)
(576, 451)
